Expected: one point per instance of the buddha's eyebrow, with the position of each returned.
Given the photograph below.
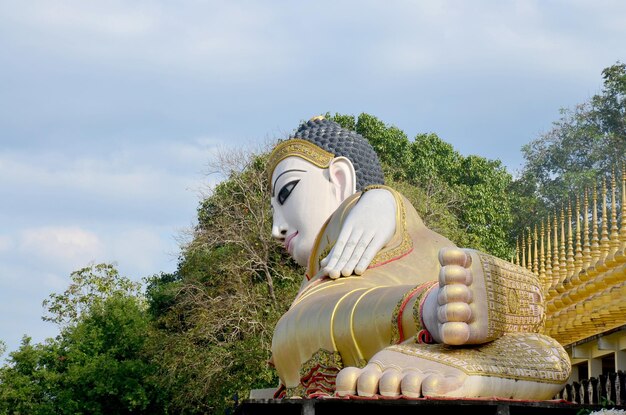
(286, 171)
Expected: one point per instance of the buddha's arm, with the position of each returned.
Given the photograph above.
(368, 227)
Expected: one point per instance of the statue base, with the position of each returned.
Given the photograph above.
(364, 406)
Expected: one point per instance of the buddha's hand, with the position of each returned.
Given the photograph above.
(367, 229)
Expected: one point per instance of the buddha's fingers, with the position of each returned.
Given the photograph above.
(375, 245)
(360, 237)
(341, 251)
(349, 266)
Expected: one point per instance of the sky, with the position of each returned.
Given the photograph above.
(110, 112)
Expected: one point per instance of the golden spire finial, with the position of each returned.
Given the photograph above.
(570, 242)
(578, 256)
(604, 240)
(529, 264)
(622, 231)
(523, 264)
(548, 255)
(517, 251)
(562, 258)
(595, 246)
(614, 237)
(542, 257)
(586, 245)
(535, 253)
(556, 268)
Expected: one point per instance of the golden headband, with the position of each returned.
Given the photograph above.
(298, 148)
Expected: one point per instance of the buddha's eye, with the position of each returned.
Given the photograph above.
(286, 190)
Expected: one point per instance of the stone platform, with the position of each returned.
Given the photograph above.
(403, 406)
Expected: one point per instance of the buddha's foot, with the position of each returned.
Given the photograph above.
(481, 297)
(516, 366)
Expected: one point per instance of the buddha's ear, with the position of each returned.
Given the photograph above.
(343, 177)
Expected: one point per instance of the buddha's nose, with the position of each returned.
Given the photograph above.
(279, 231)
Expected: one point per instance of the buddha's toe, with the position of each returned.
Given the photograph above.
(367, 383)
(345, 383)
(389, 384)
(436, 385)
(411, 384)
(455, 333)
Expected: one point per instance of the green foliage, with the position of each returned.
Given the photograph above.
(584, 145)
(433, 158)
(161, 293)
(97, 364)
(216, 315)
(390, 143)
(106, 370)
(89, 285)
(435, 208)
(212, 348)
(28, 382)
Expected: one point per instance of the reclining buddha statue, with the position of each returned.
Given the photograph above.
(387, 306)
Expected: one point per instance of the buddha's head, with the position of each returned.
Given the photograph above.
(311, 174)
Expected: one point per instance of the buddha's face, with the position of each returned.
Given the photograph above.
(303, 198)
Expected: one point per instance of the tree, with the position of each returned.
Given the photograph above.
(583, 146)
(97, 364)
(89, 285)
(217, 313)
(29, 382)
(486, 211)
(104, 364)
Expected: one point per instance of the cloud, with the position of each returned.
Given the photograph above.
(119, 172)
(242, 43)
(54, 282)
(193, 152)
(64, 210)
(6, 243)
(58, 244)
(143, 182)
(415, 38)
(98, 18)
(143, 251)
(212, 38)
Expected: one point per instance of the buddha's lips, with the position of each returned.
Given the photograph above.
(288, 240)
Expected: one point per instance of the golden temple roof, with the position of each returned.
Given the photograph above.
(584, 269)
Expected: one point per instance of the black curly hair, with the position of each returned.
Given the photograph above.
(339, 141)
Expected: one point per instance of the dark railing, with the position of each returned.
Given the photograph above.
(609, 389)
